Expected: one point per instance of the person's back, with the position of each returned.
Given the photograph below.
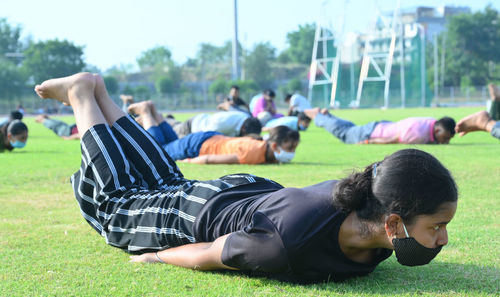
(292, 231)
(288, 121)
(414, 130)
(299, 103)
(248, 150)
(228, 123)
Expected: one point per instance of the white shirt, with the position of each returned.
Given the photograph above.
(226, 122)
(299, 102)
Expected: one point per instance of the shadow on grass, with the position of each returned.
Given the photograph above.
(437, 278)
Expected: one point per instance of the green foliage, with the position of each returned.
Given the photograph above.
(12, 80)
(128, 90)
(142, 93)
(164, 85)
(111, 84)
(301, 44)
(222, 86)
(471, 45)
(219, 86)
(158, 57)
(53, 58)
(47, 248)
(9, 38)
(258, 64)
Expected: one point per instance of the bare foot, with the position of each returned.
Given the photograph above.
(140, 120)
(41, 118)
(59, 88)
(494, 92)
(140, 107)
(474, 122)
(324, 111)
(127, 98)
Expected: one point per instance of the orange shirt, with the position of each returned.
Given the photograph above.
(248, 150)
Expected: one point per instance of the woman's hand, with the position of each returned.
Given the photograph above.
(144, 258)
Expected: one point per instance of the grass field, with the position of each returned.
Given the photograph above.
(47, 249)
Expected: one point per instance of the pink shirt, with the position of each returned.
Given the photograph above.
(410, 130)
(262, 105)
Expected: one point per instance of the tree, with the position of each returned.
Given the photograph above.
(159, 57)
(165, 85)
(111, 84)
(471, 46)
(301, 44)
(9, 38)
(258, 62)
(53, 58)
(142, 92)
(12, 80)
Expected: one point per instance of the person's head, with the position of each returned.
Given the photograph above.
(251, 126)
(234, 92)
(409, 189)
(269, 94)
(288, 97)
(283, 141)
(15, 115)
(303, 121)
(17, 134)
(444, 130)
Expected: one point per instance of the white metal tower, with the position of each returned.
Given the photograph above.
(322, 58)
(375, 55)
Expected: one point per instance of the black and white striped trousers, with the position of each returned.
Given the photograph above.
(132, 192)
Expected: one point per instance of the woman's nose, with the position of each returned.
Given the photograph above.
(443, 238)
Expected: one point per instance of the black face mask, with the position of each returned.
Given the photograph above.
(411, 253)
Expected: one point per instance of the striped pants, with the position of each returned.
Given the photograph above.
(132, 192)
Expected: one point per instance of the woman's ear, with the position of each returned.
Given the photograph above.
(274, 146)
(392, 224)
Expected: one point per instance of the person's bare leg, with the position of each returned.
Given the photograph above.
(143, 109)
(479, 121)
(109, 109)
(494, 92)
(78, 91)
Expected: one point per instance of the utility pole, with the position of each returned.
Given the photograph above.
(235, 73)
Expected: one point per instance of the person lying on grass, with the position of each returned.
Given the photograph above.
(60, 128)
(13, 134)
(133, 194)
(212, 147)
(417, 130)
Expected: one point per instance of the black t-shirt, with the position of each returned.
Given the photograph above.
(290, 233)
(237, 101)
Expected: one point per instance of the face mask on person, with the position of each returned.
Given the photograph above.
(17, 144)
(284, 156)
(411, 253)
(302, 127)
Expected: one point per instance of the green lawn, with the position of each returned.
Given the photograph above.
(46, 247)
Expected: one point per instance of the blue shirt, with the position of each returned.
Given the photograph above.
(290, 122)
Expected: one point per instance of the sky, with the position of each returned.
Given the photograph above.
(116, 32)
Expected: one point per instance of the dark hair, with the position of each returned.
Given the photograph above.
(288, 97)
(448, 124)
(235, 87)
(269, 93)
(16, 127)
(303, 117)
(251, 126)
(409, 183)
(283, 134)
(16, 115)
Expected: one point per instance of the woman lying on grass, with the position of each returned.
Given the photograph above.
(132, 193)
(211, 147)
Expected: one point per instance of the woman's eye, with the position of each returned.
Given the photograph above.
(436, 228)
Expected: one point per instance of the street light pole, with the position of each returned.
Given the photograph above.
(235, 73)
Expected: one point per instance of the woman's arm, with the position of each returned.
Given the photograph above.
(199, 256)
(214, 159)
